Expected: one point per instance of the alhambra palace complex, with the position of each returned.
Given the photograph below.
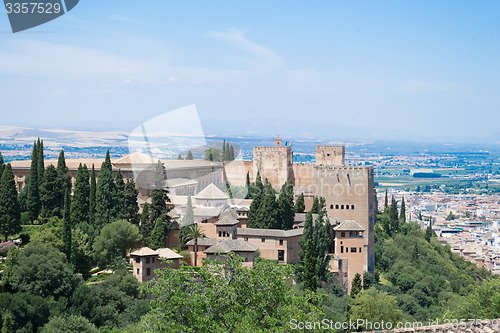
(349, 192)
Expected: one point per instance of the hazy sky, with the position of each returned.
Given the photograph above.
(418, 68)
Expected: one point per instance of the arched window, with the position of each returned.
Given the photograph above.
(346, 206)
(336, 206)
(341, 206)
(331, 206)
(352, 206)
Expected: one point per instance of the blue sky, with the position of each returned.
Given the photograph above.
(387, 69)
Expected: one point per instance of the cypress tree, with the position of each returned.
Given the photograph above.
(2, 166)
(321, 243)
(105, 197)
(189, 155)
(188, 218)
(33, 199)
(158, 208)
(286, 211)
(386, 203)
(64, 175)
(146, 225)
(428, 231)
(393, 216)
(81, 193)
(158, 238)
(224, 151)
(310, 268)
(402, 213)
(41, 160)
(130, 211)
(107, 162)
(259, 187)
(10, 214)
(356, 285)
(268, 211)
(50, 193)
(179, 157)
(159, 176)
(67, 225)
(120, 191)
(93, 187)
(248, 186)
(231, 153)
(300, 206)
(315, 206)
(228, 190)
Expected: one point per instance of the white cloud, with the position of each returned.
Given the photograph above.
(263, 56)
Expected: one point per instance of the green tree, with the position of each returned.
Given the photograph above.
(64, 175)
(315, 205)
(105, 197)
(81, 193)
(402, 212)
(69, 324)
(120, 192)
(158, 237)
(393, 216)
(44, 271)
(93, 187)
(10, 214)
(130, 210)
(41, 160)
(194, 232)
(81, 252)
(428, 231)
(2, 165)
(268, 210)
(232, 298)
(7, 325)
(67, 226)
(310, 268)
(188, 218)
(33, 199)
(356, 285)
(146, 224)
(377, 306)
(482, 302)
(231, 153)
(247, 186)
(386, 202)
(50, 193)
(114, 241)
(189, 155)
(300, 206)
(286, 210)
(179, 157)
(225, 151)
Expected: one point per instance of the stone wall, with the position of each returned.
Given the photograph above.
(478, 326)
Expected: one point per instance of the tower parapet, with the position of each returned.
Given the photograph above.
(330, 155)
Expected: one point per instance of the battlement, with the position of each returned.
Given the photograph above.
(277, 148)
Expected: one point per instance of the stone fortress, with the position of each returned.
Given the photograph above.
(349, 192)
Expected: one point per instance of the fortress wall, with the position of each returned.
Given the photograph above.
(303, 176)
(274, 163)
(236, 172)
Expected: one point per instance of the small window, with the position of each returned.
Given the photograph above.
(148, 271)
(147, 260)
(359, 250)
(331, 206)
(347, 207)
(346, 249)
(220, 234)
(281, 242)
(263, 240)
(341, 206)
(342, 234)
(138, 260)
(245, 239)
(281, 255)
(353, 249)
(352, 206)
(153, 260)
(336, 206)
(341, 249)
(137, 271)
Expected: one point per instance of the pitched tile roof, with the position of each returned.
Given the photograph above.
(207, 211)
(269, 232)
(168, 254)
(212, 192)
(204, 241)
(349, 225)
(234, 245)
(227, 217)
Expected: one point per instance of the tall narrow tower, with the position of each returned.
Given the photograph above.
(274, 163)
